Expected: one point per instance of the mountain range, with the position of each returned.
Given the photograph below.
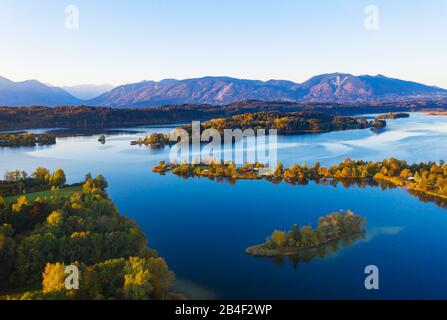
(334, 87)
(33, 92)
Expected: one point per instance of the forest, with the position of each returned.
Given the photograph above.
(429, 178)
(14, 118)
(333, 227)
(26, 140)
(39, 237)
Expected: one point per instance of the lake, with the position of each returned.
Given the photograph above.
(202, 227)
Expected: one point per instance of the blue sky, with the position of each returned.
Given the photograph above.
(129, 41)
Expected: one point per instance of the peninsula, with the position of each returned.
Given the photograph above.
(429, 178)
(26, 140)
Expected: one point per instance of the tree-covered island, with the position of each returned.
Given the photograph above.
(429, 178)
(155, 140)
(393, 115)
(43, 232)
(26, 140)
(289, 123)
(331, 228)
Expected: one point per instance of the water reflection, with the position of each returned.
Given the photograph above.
(321, 252)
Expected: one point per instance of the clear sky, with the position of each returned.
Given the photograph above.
(129, 41)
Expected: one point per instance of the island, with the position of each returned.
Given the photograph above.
(331, 228)
(393, 115)
(156, 140)
(289, 123)
(429, 178)
(26, 140)
(436, 113)
(52, 225)
(102, 139)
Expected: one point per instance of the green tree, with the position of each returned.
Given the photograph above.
(296, 233)
(7, 260)
(101, 182)
(87, 177)
(7, 230)
(162, 278)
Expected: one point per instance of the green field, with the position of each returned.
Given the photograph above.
(62, 192)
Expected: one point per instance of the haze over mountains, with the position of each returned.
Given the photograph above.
(33, 92)
(87, 91)
(335, 87)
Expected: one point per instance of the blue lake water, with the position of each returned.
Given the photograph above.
(202, 227)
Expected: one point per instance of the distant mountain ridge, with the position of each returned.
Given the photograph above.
(33, 92)
(335, 87)
(332, 88)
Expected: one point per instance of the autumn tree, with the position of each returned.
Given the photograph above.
(54, 219)
(58, 179)
(54, 278)
(137, 278)
(279, 238)
(42, 174)
(15, 175)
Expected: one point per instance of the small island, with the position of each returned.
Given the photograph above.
(155, 140)
(331, 228)
(26, 140)
(393, 115)
(436, 112)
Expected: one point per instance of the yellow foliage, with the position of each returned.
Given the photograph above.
(54, 278)
(54, 218)
(78, 235)
(21, 201)
(279, 238)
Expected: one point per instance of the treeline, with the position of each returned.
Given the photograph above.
(290, 123)
(18, 182)
(426, 177)
(39, 238)
(333, 227)
(26, 140)
(13, 118)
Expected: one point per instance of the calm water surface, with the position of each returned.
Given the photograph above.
(202, 227)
